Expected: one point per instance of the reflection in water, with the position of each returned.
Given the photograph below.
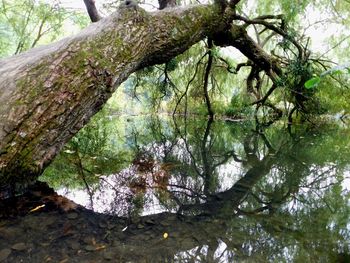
(161, 190)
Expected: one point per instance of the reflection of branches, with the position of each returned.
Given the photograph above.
(187, 147)
(157, 129)
(82, 175)
(207, 169)
(319, 178)
(187, 189)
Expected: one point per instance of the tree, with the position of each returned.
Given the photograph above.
(50, 92)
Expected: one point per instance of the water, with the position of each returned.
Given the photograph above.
(157, 189)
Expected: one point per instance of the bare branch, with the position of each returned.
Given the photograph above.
(272, 27)
(206, 79)
(92, 10)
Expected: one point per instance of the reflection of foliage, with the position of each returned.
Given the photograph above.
(269, 189)
(90, 154)
(301, 201)
(239, 107)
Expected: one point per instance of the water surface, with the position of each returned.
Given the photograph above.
(157, 189)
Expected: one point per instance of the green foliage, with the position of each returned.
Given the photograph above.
(96, 150)
(179, 83)
(215, 51)
(25, 24)
(172, 65)
(238, 107)
(312, 83)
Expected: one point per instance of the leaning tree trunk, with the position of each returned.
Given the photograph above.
(47, 94)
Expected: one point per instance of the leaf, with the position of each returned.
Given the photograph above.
(312, 83)
(36, 208)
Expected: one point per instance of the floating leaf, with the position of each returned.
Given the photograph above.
(312, 83)
(165, 235)
(36, 208)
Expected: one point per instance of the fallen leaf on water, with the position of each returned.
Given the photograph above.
(36, 208)
(165, 235)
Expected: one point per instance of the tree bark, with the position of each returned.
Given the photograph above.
(48, 93)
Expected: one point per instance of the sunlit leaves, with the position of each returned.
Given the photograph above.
(25, 24)
(312, 83)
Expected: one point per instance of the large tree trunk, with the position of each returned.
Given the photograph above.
(47, 94)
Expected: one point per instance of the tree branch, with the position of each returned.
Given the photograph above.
(206, 79)
(92, 10)
(261, 21)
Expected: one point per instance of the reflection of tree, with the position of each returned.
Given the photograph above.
(205, 161)
(284, 193)
(86, 158)
(194, 187)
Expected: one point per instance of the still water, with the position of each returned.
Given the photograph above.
(157, 189)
